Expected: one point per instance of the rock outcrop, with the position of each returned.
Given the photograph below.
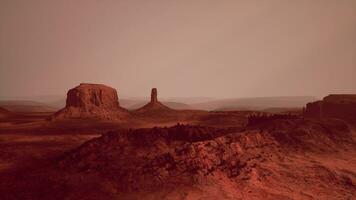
(151, 157)
(154, 95)
(154, 105)
(333, 106)
(246, 165)
(91, 101)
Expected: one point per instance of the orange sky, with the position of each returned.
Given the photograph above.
(203, 48)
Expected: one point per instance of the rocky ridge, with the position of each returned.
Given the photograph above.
(160, 159)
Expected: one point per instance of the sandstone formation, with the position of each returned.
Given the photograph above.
(154, 105)
(154, 95)
(333, 106)
(91, 101)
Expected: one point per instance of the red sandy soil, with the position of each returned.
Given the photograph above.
(216, 157)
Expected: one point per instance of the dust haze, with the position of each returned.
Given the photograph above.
(183, 100)
(228, 49)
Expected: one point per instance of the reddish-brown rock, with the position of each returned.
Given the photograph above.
(333, 106)
(154, 105)
(154, 95)
(247, 165)
(92, 101)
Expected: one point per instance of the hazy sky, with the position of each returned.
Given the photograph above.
(204, 48)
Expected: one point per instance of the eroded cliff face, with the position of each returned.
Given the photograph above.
(333, 106)
(91, 101)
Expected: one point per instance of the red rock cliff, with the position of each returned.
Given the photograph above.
(333, 106)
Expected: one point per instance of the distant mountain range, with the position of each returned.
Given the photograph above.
(26, 106)
(54, 103)
(255, 103)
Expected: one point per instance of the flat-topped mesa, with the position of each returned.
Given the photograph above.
(87, 96)
(342, 106)
(341, 98)
(91, 101)
(154, 95)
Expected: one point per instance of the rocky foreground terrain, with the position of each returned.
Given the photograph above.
(94, 149)
(277, 159)
(282, 159)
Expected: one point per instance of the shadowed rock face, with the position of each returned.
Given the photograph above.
(333, 106)
(154, 95)
(91, 101)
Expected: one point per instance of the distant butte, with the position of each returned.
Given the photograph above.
(342, 106)
(154, 104)
(154, 95)
(92, 101)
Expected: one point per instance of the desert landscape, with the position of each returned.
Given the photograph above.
(95, 149)
(177, 100)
